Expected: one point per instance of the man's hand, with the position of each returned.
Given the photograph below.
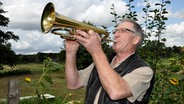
(90, 40)
(71, 46)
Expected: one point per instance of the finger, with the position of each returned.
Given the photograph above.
(94, 34)
(83, 33)
(91, 32)
(80, 39)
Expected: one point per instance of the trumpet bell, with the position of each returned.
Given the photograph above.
(48, 18)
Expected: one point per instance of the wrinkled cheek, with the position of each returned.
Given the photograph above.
(115, 47)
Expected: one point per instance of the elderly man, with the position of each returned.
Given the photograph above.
(122, 78)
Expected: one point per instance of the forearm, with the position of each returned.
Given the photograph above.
(71, 72)
(113, 84)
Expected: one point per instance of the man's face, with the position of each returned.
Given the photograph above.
(125, 37)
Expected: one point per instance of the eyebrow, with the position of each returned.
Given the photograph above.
(129, 30)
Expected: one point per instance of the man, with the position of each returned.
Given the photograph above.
(121, 79)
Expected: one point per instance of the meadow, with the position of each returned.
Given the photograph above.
(169, 86)
(58, 88)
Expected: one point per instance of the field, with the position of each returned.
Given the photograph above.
(169, 86)
(58, 88)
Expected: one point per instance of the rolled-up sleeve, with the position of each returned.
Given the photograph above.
(139, 82)
(85, 73)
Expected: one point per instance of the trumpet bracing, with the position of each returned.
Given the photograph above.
(65, 27)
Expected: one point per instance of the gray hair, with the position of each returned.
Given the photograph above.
(137, 28)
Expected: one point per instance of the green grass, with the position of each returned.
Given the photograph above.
(58, 88)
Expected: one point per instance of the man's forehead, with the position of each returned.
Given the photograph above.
(125, 25)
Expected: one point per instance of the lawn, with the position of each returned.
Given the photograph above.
(58, 88)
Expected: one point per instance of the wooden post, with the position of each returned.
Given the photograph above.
(13, 92)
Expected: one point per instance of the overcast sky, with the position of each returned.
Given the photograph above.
(25, 16)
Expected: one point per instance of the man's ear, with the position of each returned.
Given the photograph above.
(136, 39)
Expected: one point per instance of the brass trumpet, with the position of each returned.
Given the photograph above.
(58, 24)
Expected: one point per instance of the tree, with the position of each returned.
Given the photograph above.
(154, 25)
(7, 56)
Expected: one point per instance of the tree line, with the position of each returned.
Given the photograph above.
(84, 59)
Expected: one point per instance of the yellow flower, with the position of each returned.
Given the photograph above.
(174, 81)
(70, 94)
(28, 79)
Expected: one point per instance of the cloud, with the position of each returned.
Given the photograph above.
(34, 42)
(95, 11)
(177, 14)
(25, 16)
(174, 34)
(99, 14)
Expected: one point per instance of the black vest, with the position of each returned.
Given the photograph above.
(131, 63)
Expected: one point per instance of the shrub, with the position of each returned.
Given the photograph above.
(15, 72)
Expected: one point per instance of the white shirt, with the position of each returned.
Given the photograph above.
(138, 80)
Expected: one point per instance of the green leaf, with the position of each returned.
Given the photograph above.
(48, 79)
(144, 9)
(42, 84)
(37, 93)
(132, 6)
(168, 2)
(157, 4)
